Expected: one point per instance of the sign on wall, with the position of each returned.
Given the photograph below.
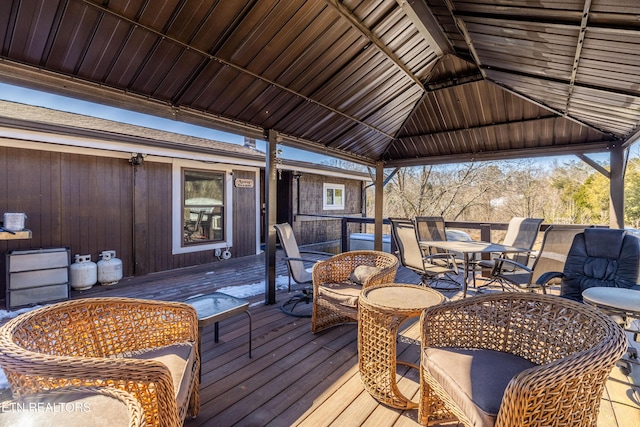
(243, 183)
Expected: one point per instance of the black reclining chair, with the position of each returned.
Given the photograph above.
(598, 257)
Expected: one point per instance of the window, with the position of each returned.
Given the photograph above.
(333, 198)
(202, 206)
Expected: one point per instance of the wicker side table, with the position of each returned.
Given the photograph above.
(74, 406)
(382, 309)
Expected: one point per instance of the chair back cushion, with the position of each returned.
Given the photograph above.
(600, 258)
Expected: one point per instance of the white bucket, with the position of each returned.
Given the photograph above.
(14, 221)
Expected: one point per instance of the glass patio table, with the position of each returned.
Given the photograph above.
(216, 307)
(469, 249)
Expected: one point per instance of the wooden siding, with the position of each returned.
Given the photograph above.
(76, 201)
(244, 215)
(93, 203)
(308, 192)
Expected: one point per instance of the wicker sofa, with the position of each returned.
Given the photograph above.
(337, 284)
(516, 359)
(147, 348)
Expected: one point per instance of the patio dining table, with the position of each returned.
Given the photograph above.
(469, 249)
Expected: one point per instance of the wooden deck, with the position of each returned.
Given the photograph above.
(296, 377)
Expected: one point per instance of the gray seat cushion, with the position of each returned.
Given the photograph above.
(474, 378)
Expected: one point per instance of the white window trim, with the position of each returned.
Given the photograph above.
(325, 206)
(176, 209)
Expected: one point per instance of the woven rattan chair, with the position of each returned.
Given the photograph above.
(336, 289)
(516, 359)
(147, 348)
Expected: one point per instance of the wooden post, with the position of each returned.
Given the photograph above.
(616, 187)
(271, 200)
(377, 227)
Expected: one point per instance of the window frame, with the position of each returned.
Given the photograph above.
(177, 226)
(333, 206)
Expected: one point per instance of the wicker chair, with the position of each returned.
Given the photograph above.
(336, 289)
(147, 348)
(516, 359)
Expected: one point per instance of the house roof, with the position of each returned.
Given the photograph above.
(29, 117)
(420, 82)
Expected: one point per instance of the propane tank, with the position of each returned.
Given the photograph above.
(83, 272)
(109, 268)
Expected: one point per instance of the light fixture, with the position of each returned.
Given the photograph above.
(137, 158)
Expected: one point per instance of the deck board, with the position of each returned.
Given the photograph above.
(296, 378)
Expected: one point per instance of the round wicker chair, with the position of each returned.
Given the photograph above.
(516, 359)
(337, 285)
(113, 342)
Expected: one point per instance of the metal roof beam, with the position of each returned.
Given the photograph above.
(487, 126)
(346, 13)
(427, 25)
(576, 58)
(596, 147)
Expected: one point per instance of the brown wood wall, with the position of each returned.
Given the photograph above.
(91, 204)
(244, 214)
(308, 202)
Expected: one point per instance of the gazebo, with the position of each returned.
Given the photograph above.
(385, 83)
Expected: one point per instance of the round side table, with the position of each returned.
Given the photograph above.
(382, 309)
(74, 406)
(620, 303)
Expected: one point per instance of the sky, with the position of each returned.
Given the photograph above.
(72, 105)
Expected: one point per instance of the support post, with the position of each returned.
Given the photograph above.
(271, 200)
(377, 228)
(616, 187)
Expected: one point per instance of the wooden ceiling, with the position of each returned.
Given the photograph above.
(404, 82)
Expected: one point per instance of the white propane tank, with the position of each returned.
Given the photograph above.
(83, 272)
(109, 268)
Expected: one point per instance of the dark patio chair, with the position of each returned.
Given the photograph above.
(435, 270)
(598, 257)
(521, 233)
(432, 228)
(299, 269)
(551, 257)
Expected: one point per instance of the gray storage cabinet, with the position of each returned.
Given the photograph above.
(37, 276)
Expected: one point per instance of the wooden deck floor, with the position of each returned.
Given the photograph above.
(294, 376)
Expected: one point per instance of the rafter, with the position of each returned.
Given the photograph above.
(346, 13)
(236, 67)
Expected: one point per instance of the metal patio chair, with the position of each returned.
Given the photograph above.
(521, 233)
(551, 257)
(299, 268)
(434, 269)
(432, 228)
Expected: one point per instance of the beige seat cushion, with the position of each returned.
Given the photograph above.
(180, 359)
(345, 294)
(474, 378)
